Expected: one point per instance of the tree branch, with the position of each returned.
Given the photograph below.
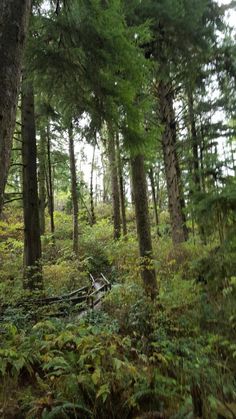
(11, 200)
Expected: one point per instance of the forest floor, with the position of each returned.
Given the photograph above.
(132, 358)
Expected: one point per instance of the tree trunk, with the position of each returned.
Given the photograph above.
(194, 141)
(172, 170)
(114, 185)
(143, 227)
(121, 188)
(202, 166)
(131, 185)
(105, 177)
(14, 16)
(74, 193)
(197, 160)
(158, 190)
(93, 217)
(32, 243)
(42, 180)
(154, 199)
(50, 184)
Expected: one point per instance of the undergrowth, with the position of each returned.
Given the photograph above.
(131, 358)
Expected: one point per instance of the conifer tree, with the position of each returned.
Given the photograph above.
(93, 217)
(182, 36)
(32, 242)
(101, 65)
(74, 191)
(14, 15)
(143, 227)
(42, 178)
(112, 156)
(121, 186)
(50, 186)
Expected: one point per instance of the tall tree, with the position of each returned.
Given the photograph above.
(14, 16)
(42, 178)
(93, 217)
(74, 191)
(176, 50)
(101, 65)
(194, 141)
(105, 172)
(32, 242)
(114, 184)
(121, 186)
(50, 189)
(154, 198)
(172, 169)
(143, 228)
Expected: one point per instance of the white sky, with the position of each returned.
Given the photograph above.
(231, 15)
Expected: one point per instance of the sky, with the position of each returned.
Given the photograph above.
(231, 16)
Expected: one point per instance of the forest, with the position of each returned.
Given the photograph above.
(117, 209)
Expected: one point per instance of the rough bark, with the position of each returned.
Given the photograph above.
(32, 243)
(14, 16)
(106, 184)
(197, 161)
(93, 217)
(131, 185)
(158, 189)
(114, 186)
(194, 143)
(202, 166)
(105, 177)
(154, 199)
(50, 184)
(143, 227)
(42, 180)
(172, 169)
(121, 188)
(74, 193)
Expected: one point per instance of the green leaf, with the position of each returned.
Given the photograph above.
(103, 392)
(118, 363)
(96, 376)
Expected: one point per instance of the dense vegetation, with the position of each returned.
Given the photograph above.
(117, 157)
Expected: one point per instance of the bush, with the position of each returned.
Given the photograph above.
(63, 277)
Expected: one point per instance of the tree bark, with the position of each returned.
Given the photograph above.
(143, 227)
(32, 243)
(114, 185)
(154, 199)
(194, 142)
(74, 193)
(121, 188)
(50, 184)
(105, 176)
(14, 16)
(172, 169)
(197, 161)
(42, 180)
(93, 217)
(202, 165)
(131, 184)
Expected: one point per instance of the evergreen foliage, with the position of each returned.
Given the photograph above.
(132, 113)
